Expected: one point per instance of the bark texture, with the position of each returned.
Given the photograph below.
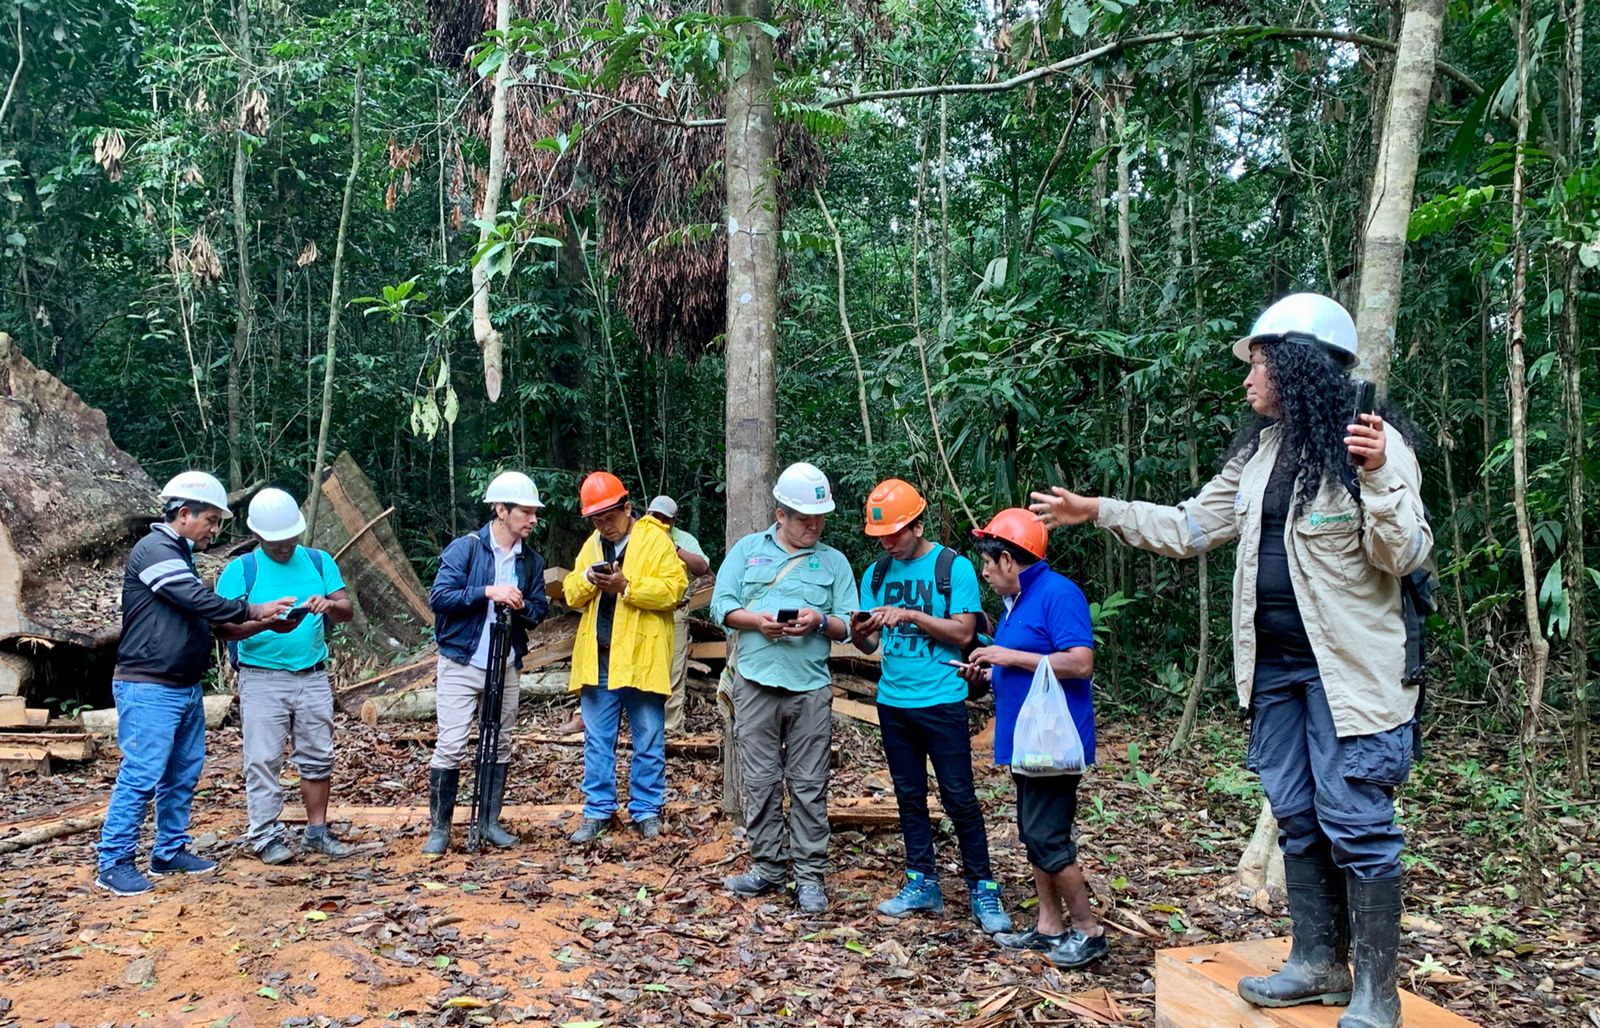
(483, 330)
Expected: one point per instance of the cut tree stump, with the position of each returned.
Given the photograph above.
(1195, 988)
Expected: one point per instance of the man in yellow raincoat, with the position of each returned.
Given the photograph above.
(627, 581)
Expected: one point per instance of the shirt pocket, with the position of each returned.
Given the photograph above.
(1333, 541)
(815, 588)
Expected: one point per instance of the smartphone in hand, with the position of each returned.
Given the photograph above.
(600, 567)
(861, 616)
(788, 615)
(296, 614)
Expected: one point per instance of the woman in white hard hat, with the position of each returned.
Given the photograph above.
(1324, 503)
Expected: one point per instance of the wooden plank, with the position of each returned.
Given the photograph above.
(28, 759)
(855, 709)
(1196, 985)
(60, 745)
(13, 712)
(865, 811)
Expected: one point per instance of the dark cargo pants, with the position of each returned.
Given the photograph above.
(1333, 797)
(784, 738)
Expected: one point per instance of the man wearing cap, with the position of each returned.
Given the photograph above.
(665, 510)
(923, 600)
(1046, 618)
(489, 567)
(164, 652)
(284, 692)
(627, 583)
(782, 703)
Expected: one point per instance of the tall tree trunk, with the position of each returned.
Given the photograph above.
(335, 306)
(1119, 124)
(751, 417)
(483, 330)
(1576, 568)
(1537, 655)
(246, 299)
(1393, 180)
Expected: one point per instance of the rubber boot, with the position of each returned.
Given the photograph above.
(1318, 969)
(442, 788)
(493, 833)
(1375, 938)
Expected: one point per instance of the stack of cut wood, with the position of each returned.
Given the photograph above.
(30, 739)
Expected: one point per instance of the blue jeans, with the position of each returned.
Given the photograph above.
(647, 777)
(1333, 797)
(912, 737)
(161, 730)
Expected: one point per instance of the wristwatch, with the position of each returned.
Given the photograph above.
(822, 626)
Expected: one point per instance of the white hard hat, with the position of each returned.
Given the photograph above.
(1305, 318)
(513, 487)
(803, 488)
(197, 486)
(666, 506)
(274, 516)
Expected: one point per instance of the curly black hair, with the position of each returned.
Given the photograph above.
(1316, 401)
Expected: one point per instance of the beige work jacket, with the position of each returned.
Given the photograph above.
(1345, 562)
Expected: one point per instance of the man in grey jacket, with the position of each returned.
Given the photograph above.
(1324, 501)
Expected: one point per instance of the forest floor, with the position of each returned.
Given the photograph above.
(633, 933)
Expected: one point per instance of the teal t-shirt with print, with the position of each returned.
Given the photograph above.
(305, 646)
(914, 672)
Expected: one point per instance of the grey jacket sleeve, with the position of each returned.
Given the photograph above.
(1188, 529)
(1395, 534)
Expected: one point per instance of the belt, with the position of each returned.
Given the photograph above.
(319, 666)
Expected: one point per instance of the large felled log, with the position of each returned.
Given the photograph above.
(71, 502)
(391, 603)
(421, 704)
(104, 722)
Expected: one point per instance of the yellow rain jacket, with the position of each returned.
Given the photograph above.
(641, 632)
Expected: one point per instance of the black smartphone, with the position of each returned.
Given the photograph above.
(860, 616)
(788, 615)
(296, 613)
(1366, 398)
(600, 567)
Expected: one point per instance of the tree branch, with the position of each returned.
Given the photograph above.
(5, 104)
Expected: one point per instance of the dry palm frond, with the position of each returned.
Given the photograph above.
(109, 149)
(203, 264)
(253, 116)
(308, 254)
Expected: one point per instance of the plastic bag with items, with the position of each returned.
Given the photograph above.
(1046, 740)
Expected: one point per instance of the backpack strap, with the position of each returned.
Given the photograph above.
(247, 564)
(942, 569)
(880, 571)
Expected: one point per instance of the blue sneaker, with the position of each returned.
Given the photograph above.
(122, 880)
(919, 893)
(182, 863)
(986, 907)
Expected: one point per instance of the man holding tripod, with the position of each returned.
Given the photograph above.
(492, 567)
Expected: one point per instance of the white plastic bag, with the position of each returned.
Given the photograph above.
(1046, 740)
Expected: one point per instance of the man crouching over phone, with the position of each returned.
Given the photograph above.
(284, 691)
(922, 598)
(784, 597)
(627, 583)
(1046, 618)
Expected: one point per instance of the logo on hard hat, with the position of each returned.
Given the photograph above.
(822, 492)
(877, 513)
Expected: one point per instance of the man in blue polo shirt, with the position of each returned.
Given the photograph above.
(1046, 618)
(923, 600)
(284, 692)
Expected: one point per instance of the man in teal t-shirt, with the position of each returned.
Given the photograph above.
(923, 601)
(284, 690)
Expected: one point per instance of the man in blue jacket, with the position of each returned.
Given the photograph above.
(493, 565)
(165, 650)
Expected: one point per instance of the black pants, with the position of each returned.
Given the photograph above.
(1047, 806)
(913, 736)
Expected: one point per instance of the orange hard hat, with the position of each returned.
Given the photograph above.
(600, 491)
(893, 505)
(1017, 526)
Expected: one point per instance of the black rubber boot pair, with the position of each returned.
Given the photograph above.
(1335, 914)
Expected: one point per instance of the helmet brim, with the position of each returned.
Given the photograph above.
(1241, 348)
(292, 532)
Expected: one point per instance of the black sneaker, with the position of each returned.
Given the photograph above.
(182, 863)
(1032, 939)
(590, 830)
(812, 897)
(1077, 949)
(275, 852)
(649, 827)
(122, 880)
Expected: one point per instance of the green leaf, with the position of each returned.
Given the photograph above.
(857, 946)
(1176, 923)
(658, 987)
(316, 915)
(441, 961)
(17, 239)
(1077, 12)
(269, 992)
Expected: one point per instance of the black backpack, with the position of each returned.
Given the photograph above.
(942, 568)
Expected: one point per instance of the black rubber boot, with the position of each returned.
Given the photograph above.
(493, 833)
(1318, 969)
(442, 788)
(1375, 937)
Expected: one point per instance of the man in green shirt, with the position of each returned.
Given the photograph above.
(785, 597)
(665, 510)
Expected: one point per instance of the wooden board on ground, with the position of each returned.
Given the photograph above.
(27, 759)
(860, 811)
(867, 712)
(60, 745)
(15, 713)
(1195, 986)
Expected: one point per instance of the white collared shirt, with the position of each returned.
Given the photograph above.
(505, 573)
